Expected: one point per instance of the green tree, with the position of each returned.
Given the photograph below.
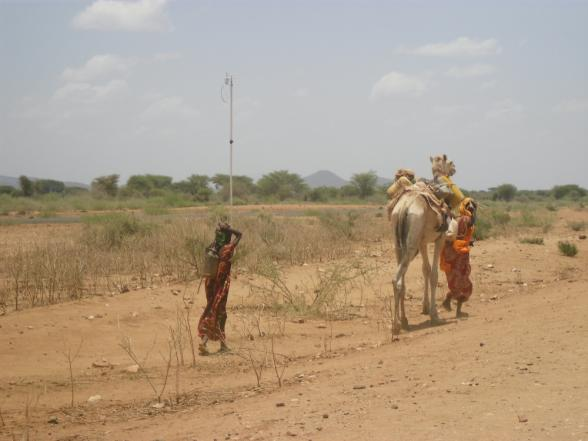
(195, 185)
(504, 192)
(282, 184)
(323, 194)
(43, 186)
(349, 191)
(105, 185)
(147, 184)
(570, 191)
(26, 185)
(243, 186)
(365, 183)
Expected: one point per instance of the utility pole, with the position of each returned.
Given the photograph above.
(229, 82)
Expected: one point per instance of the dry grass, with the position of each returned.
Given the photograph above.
(115, 253)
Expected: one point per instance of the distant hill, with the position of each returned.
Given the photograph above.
(324, 178)
(13, 182)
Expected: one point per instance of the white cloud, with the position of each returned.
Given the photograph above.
(462, 46)
(573, 105)
(169, 108)
(85, 93)
(505, 109)
(473, 70)
(117, 15)
(99, 66)
(396, 83)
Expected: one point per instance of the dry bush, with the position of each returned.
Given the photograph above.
(116, 253)
(71, 356)
(328, 290)
(577, 225)
(158, 389)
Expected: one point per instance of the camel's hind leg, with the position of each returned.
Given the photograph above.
(400, 319)
(426, 277)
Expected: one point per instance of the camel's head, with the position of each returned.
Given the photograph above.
(439, 165)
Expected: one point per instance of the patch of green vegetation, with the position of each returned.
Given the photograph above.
(339, 223)
(483, 229)
(109, 231)
(532, 240)
(577, 226)
(500, 217)
(155, 210)
(567, 248)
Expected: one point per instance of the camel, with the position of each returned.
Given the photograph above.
(415, 225)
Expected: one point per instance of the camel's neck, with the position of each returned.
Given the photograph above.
(437, 175)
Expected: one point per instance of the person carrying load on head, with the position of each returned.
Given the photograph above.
(455, 256)
(211, 325)
(444, 189)
(442, 185)
(403, 179)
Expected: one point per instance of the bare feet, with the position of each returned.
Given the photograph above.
(202, 349)
(446, 304)
(224, 348)
(458, 312)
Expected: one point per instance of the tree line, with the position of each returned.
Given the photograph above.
(280, 185)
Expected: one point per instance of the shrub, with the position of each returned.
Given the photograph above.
(577, 226)
(155, 210)
(7, 189)
(110, 231)
(483, 228)
(500, 217)
(339, 224)
(532, 240)
(567, 248)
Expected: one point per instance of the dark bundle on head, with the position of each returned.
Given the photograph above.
(222, 235)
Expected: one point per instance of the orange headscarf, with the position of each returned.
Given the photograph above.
(463, 207)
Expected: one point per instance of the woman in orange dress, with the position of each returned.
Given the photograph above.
(455, 257)
(212, 322)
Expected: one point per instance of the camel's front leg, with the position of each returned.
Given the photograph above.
(433, 279)
(426, 277)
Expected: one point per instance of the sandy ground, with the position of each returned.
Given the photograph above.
(516, 369)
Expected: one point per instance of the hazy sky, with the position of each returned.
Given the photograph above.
(90, 88)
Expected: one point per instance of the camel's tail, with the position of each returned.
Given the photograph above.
(401, 233)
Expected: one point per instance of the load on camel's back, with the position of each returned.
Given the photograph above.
(441, 193)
